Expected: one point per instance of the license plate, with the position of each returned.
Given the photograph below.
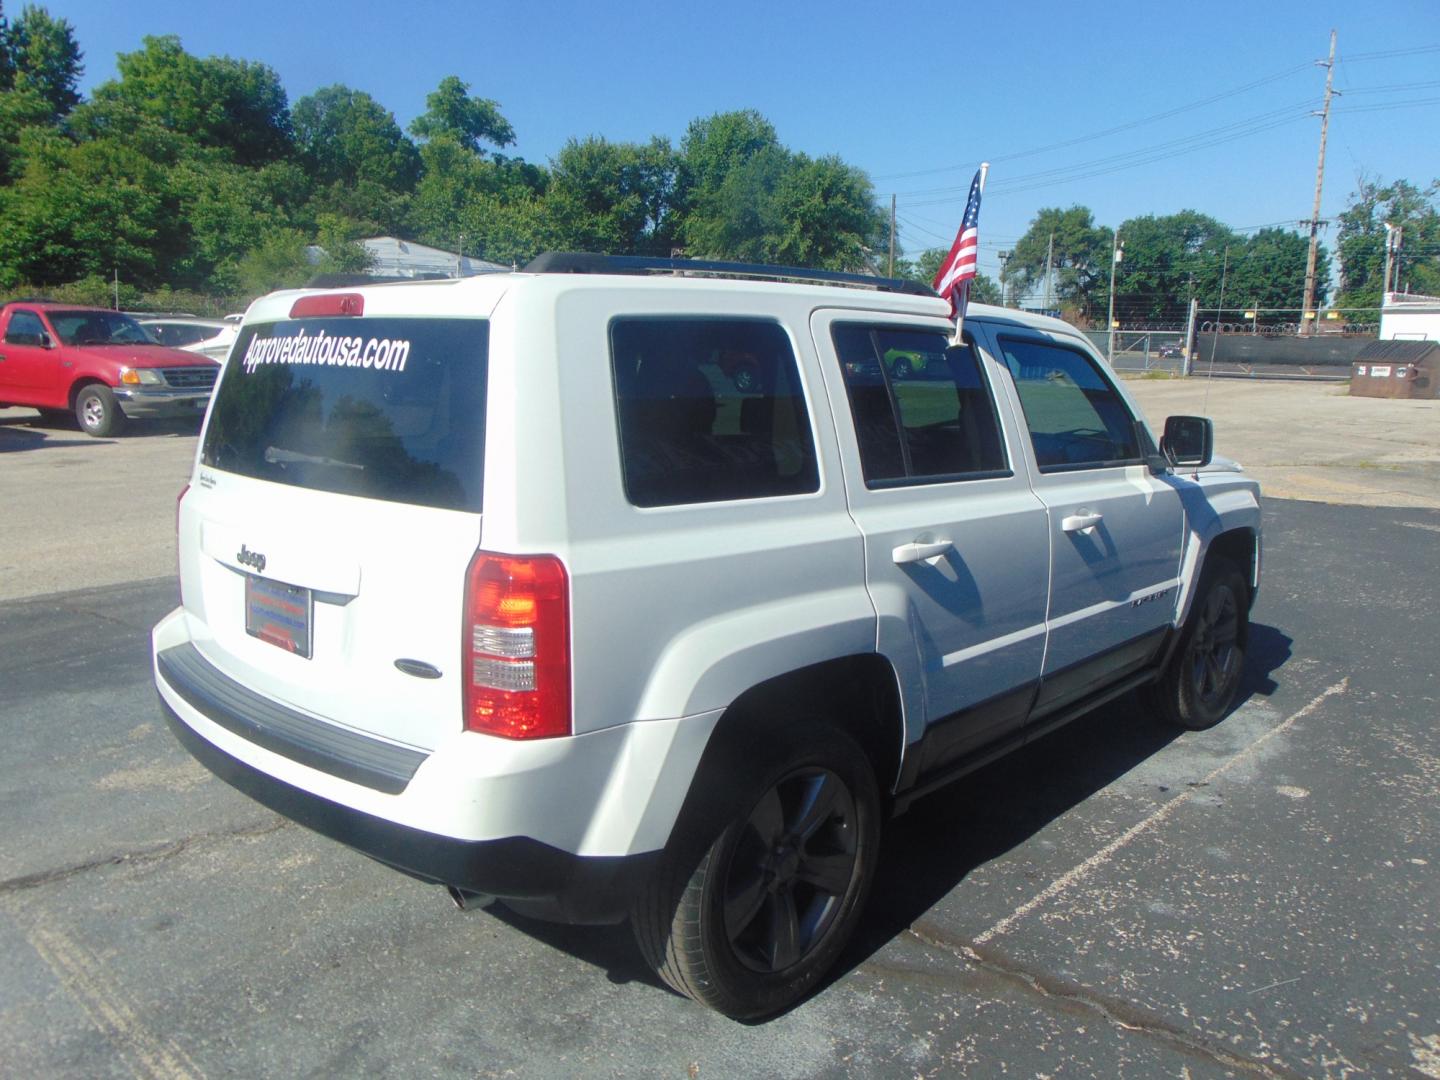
(278, 613)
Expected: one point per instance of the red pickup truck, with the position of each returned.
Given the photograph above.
(101, 366)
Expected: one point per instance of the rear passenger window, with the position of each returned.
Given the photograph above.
(922, 410)
(1076, 418)
(709, 410)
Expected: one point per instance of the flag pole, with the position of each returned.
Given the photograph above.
(958, 338)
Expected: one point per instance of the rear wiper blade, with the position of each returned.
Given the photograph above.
(275, 455)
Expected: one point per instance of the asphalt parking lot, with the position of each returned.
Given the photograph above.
(1115, 900)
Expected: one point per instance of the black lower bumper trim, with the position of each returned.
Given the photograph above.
(546, 881)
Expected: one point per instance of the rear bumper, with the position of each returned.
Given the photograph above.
(564, 828)
(546, 881)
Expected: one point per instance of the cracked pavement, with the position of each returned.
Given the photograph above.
(1115, 900)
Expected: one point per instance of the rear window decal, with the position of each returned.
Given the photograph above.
(383, 354)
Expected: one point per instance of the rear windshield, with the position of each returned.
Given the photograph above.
(382, 408)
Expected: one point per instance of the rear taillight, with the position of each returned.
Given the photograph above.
(516, 648)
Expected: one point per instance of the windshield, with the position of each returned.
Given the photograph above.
(98, 328)
(382, 408)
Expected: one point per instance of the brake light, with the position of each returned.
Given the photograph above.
(516, 648)
(308, 307)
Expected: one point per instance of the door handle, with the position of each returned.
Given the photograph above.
(1081, 522)
(919, 552)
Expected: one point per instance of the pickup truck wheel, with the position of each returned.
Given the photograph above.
(752, 926)
(98, 412)
(1198, 685)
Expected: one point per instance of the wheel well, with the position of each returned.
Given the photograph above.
(80, 384)
(857, 694)
(1238, 547)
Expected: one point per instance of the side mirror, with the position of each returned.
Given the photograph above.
(46, 341)
(1188, 440)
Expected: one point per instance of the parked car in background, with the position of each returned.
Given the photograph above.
(101, 366)
(209, 337)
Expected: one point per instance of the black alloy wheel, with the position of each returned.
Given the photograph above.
(767, 875)
(789, 870)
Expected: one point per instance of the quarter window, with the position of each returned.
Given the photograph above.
(922, 410)
(1076, 418)
(709, 410)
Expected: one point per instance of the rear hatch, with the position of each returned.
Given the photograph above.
(336, 507)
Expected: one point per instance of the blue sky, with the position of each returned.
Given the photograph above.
(915, 94)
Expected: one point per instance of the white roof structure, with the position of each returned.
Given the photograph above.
(1410, 317)
(392, 257)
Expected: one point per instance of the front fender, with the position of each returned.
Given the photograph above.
(1216, 504)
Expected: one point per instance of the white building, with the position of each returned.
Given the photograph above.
(1409, 317)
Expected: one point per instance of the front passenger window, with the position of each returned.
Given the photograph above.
(1076, 418)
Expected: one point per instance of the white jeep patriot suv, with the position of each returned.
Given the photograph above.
(623, 588)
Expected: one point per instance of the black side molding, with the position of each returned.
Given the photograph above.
(346, 754)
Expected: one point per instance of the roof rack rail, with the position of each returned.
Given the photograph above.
(351, 281)
(576, 262)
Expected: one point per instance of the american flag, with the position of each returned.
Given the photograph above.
(952, 280)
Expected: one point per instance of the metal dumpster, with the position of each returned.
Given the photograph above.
(1397, 369)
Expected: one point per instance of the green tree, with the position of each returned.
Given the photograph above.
(825, 216)
(346, 136)
(7, 57)
(1361, 241)
(234, 109)
(364, 167)
(1080, 262)
(19, 109)
(78, 210)
(492, 202)
(1268, 271)
(614, 198)
(743, 195)
(1168, 259)
(43, 58)
(226, 210)
(451, 111)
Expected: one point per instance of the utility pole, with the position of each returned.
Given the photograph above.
(1307, 326)
(1117, 252)
(1392, 245)
(1004, 257)
(1049, 259)
(891, 271)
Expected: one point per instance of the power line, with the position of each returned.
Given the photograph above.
(1088, 170)
(1111, 130)
(1387, 54)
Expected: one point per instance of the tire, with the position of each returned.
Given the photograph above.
(901, 370)
(97, 411)
(747, 921)
(745, 380)
(1198, 685)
